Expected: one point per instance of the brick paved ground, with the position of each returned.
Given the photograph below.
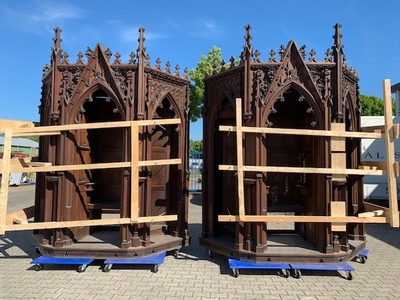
(193, 275)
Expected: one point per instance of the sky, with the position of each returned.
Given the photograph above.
(181, 31)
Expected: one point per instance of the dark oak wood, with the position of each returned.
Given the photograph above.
(292, 92)
(99, 88)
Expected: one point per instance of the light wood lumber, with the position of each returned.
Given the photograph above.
(5, 178)
(20, 216)
(302, 170)
(134, 172)
(6, 123)
(96, 222)
(239, 151)
(301, 219)
(338, 209)
(389, 141)
(370, 214)
(292, 131)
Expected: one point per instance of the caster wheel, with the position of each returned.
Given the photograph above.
(210, 254)
(235, 273)
(107, 268)
(284, 273)
(155, 268)
(176, 253)
(363, 259)
(349, 275)
(296, 273)
(38, 267)
(82, 268)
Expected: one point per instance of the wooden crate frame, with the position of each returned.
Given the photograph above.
(389, 132)
(7, 165)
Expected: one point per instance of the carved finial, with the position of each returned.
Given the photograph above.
(223, 65)
(328, 55)
(57, 38)
(282, 51)
(147, 59)
(132, 56)
(88, 53)
(257, 56)
(186, 73)
(177, 68)
(64, 58)
(337, 37)
(272, 57)
(248, 36)
(312, 55)
(80, 58)
(141, 50)
(232, 61)
(168, 67)
(108, 53)
(158, 63)
(117, 58)
(214, 66)
(303, 51)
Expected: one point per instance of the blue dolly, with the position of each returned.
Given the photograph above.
(154, 260)
(322, 267)
(47, 260)
(235, 265)
(363, 256)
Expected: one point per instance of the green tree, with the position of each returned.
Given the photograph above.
(373, 106)
(204, 66)
(195, 146)
(33, 138)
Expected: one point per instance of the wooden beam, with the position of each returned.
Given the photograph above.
(5, 178)
(302, 170)
(338, 209)
(20, 216)
(239, 151)
(134, 172)
(6, 123)
(389, 141)
(270, 130)
(300, 219)
(163, 162)
(96, 222)
(368, 207)
(381, 128)
(370, 214)
(48, 129)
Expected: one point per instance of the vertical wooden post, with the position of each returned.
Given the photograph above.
(391, 165)
(134, 172)
(239, 148)
(5, 171)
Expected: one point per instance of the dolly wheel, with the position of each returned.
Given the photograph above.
(235, 272)
(210, 253)
(155, 268)
(38, 267)
(363, 259)
(82, 268)
(284, 273)
(349, 275)
(107, 268)
(296, 273)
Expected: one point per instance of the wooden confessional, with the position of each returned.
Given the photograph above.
(99, 90)
(286, 92)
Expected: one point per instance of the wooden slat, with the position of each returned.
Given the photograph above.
(338, 209)
(96, 222)
(292, 131)
(134, 172)
(302, 170)
(163, 162)
(6, 123)
(370, 214)
(389, 141)
(48, 129)
(381, 128)
(239, 151)
(368, 207)
(5, 178)
(300, 219)
(20, 216)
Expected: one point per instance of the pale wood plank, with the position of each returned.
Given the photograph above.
(5, 178)
(389, 141)
(292, 131)
(303, 170)
(300, 219)
(6, 123)
(370, 214)
(381, 128)
(239, 151)
(172, 161)
(338, 209)
(134, 172)
(96, 222)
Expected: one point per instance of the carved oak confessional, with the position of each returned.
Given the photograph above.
(289, 92)
(101, 89)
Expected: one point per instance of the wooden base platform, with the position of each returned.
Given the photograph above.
(281, 248)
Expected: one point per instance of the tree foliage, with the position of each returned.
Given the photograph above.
(195, 146)
(373, 106)
(204, 66)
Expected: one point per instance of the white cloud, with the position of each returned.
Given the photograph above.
(205, 28)
(131, 34)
